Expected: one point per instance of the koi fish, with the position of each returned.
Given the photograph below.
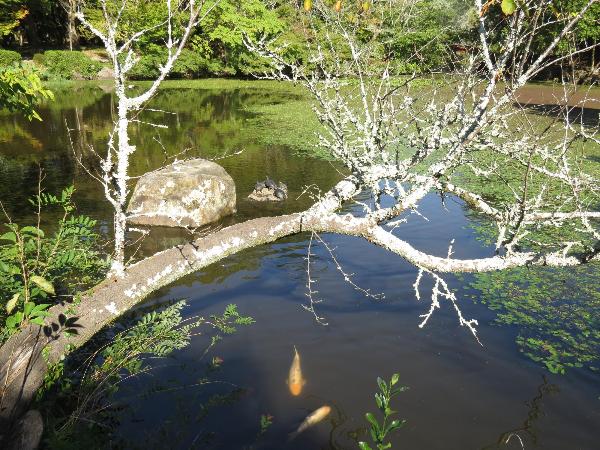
(295, 381)
(312, 419)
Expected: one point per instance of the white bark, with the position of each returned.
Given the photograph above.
(399, 146)
(121, 52)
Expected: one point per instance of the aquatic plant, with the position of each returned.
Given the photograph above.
(556, 313)
(266, 420)
(78, 394)
(379, 431)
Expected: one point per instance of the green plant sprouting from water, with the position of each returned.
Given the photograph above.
(78, 396)
(379, 431)
(36, 268)
(266, 420)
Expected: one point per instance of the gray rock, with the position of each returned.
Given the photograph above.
(279, 194)
(186, 194)
(106, 73)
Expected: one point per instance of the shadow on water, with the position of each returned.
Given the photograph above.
(589, 117)
(527, 434)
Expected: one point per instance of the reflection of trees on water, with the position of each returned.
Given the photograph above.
(527, 433)
(211, 123)
(588, 117)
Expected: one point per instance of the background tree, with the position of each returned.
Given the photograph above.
(70, 7)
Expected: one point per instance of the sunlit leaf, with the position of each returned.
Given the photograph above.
(508, 7)
(44, 284)
(9, 236)
(10, 305)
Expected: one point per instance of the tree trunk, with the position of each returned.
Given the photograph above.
(124, 149)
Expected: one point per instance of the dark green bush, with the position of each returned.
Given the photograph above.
(69, 64)
(190, 64)
(38, 58)
(8, 57)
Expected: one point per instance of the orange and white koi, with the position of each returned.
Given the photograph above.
(295, 381)
(312, 419)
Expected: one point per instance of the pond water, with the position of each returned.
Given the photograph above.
(462, 395)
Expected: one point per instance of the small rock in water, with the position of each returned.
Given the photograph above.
(268, 190)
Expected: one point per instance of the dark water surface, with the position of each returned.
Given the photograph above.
(461, 396)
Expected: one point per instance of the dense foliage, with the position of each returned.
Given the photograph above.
(21, 89)
(65, 64)
(414, 35)
(9, 57)
(37, 268)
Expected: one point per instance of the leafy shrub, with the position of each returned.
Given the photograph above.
(21, 89)
(190, 64)
(8, 57)
(78, 396)
(69, 64)
(38, 58)
(35, 268)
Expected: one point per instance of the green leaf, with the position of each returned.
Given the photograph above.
(40, 308)
(508, 7)
(373, 421)
(9, 236)
(394, 425)
(381, 384)
(379, 401)
(38, 321)
(44, 284)
(10, 305)
(11, 322)
(374, 435)
(364, 446)
(33, 230)
(27, 308)
(395, 379)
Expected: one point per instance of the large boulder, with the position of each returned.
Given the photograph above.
(184, 194)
